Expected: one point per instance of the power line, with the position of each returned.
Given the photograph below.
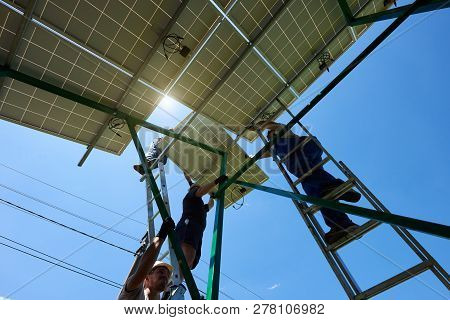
(204, 281)
(62, 266)
(59, 260)
(69, 213)
(17, 207)
(93, 222)
(71, 194)
(236, 282)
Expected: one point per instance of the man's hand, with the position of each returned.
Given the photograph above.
(221, 179)
(211, 202)
(168, 224)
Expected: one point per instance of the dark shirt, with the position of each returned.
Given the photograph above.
(194, 208)
(302, 159)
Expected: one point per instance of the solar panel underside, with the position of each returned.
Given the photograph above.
(121, 34)
(203, 166)
(303, 29)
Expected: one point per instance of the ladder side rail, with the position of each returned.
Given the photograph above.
(409, 239)
(165, 195)
(349, 285)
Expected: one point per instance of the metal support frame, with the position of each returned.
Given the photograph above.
(212, 292)
(330, 251)
(432, 228)
(155, 195)
(26, 19)
(252, 44)
(346, 11)
(343, 275)
(19, 76)
(230, 71)
(193, 290)
(431, 5)
(372, 46)
(135, 78)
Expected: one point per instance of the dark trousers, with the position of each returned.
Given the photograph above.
(314, 186)
(318, 182)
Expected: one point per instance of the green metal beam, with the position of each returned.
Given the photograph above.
(216, 248)
(394, 25)
(19, 76)
(193, 290)
(346, 11)
(432, 5)
(393, 219)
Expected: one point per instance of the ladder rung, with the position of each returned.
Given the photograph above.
(299, 146)
(362, 230)
(336, 193)
(309, 172)
(395, 280)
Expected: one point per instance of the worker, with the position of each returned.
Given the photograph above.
(192, 224)
(151, 276)
(318, 183)
(152, 155)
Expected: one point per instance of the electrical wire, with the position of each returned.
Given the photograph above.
(62, 266)
(241, 190)
(59, 260)
(236, 282)
(115, 124)
(69, 213)
(17, 207)
(71, 194)
(114, 212)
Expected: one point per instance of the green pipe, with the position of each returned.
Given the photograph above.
(19, 76)
(324, 92)
(346, 11)
(193, 290)
(432, 228)
(394, 13)
(212, 292)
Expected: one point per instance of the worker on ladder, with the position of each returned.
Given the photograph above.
(152, 155)
(318, 183)
(151, 277)
(192, 224)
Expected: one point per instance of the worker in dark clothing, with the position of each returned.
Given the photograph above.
(192, 224)
(319, 183)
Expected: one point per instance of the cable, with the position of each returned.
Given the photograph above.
(71, 194)
(69, 213)
(115, 124)
(61, 266)
(106, 209)
(241, 190)
(17, 207)
(236, 282)
(59, 260)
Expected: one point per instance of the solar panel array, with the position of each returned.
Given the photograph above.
(95, 48)
(203, 166)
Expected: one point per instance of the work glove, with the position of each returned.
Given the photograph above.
(168, 224)
(221, 179)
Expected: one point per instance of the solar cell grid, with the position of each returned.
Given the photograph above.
(204, 166)
(125, 31)
(193, 24)
(212, 63)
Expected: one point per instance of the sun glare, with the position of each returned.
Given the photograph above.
(167, 103)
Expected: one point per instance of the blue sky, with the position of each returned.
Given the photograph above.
(388, 121)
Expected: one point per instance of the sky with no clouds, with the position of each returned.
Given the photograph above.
(388, 121)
